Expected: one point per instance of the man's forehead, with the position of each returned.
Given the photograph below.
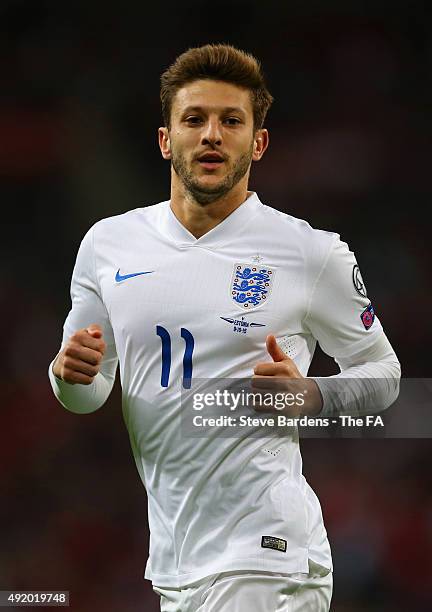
(213, 96)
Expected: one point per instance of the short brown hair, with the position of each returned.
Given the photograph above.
(219, 63)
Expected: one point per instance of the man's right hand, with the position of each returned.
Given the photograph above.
(79, 361)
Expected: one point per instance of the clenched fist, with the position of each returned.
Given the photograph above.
(79, 361)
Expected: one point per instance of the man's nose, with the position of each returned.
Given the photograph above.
(212, 133)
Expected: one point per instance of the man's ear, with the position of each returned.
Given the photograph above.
(164, 142)
(261, 143)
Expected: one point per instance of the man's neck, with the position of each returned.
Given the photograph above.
(199, 219)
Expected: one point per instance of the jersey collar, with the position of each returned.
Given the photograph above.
(226, 230)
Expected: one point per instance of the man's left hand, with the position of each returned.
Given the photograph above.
(282, 376)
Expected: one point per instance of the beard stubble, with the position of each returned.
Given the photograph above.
(206, 195)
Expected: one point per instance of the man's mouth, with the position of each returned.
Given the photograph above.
(211, 161)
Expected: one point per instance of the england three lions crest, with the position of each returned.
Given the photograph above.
(251, 285)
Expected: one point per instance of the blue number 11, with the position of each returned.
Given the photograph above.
(166, 355)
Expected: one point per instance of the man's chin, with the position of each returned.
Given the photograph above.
(206, 192)
(210, 184)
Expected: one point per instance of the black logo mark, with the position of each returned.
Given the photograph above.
(275, 543)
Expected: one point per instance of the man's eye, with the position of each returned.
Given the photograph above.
(193, 120)
(232, 120)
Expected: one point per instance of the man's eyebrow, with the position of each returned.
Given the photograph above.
(201, 109)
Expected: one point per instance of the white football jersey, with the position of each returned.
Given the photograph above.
(175, 308)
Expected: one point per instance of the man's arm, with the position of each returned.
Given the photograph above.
(341, 318)
(369, 382)
(83, 372)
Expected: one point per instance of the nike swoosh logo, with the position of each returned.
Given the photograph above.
(119, 278)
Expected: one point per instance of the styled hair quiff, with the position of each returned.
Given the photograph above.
(219, 63)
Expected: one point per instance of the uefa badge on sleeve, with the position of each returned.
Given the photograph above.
(251, 285)
(368, 316)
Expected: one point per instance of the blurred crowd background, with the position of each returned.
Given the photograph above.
(350, 152)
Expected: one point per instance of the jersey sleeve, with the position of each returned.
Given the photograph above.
(340, 314)
(369, 382)
(87, 308)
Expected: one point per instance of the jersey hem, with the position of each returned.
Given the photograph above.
(298, 563)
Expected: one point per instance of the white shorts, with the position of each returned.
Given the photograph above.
(253, 591)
